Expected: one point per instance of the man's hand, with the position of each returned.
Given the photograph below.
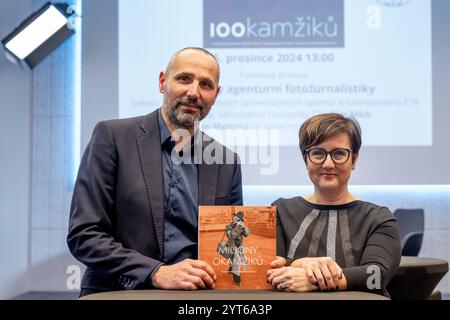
(321, 271)
(185, 275)
(290, 279)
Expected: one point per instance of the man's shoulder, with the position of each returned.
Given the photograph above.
(122, 130)
(129, 125)
(124, 122)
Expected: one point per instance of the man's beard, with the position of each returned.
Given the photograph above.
(185, 120)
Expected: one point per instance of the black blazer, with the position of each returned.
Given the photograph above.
(116, 222)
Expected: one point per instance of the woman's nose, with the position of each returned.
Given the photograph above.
(328, 163)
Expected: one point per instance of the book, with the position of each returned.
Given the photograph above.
(238, 242)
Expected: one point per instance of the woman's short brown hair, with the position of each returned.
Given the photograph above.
(320, 127)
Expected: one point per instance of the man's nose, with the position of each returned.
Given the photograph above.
(193, 90)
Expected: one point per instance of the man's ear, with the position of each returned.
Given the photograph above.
(218, 90)
(162, 80)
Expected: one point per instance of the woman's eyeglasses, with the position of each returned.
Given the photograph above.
(338, 155)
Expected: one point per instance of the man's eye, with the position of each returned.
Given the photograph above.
(207, 85)
(183, 79)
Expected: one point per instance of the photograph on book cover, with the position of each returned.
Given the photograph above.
(239, 242)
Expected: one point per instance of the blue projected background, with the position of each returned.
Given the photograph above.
(283, 61)
(384, 62)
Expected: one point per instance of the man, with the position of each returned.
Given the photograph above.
(133, 219)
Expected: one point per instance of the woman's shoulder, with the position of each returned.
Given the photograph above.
(284, 201)
(370, 206)
(290, 204)
(379, 212)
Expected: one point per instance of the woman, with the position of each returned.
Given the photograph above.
(330, 240)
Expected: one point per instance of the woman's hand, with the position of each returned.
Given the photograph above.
(290, 279)
(321, 271)
(278, 262)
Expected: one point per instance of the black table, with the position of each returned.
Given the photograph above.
(230, 295)
(416, 278)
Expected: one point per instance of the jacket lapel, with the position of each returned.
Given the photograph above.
(149, 148)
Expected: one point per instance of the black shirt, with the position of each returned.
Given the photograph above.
(180, 182)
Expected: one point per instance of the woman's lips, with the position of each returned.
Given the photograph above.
(328, 174)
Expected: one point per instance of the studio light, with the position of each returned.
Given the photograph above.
(41, 33)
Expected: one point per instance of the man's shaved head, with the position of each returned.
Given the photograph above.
(206, 52)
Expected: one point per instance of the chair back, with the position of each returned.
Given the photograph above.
(411, 226)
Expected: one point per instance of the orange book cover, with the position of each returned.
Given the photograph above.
(239, 242)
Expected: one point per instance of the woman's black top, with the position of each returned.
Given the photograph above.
(362, 237)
